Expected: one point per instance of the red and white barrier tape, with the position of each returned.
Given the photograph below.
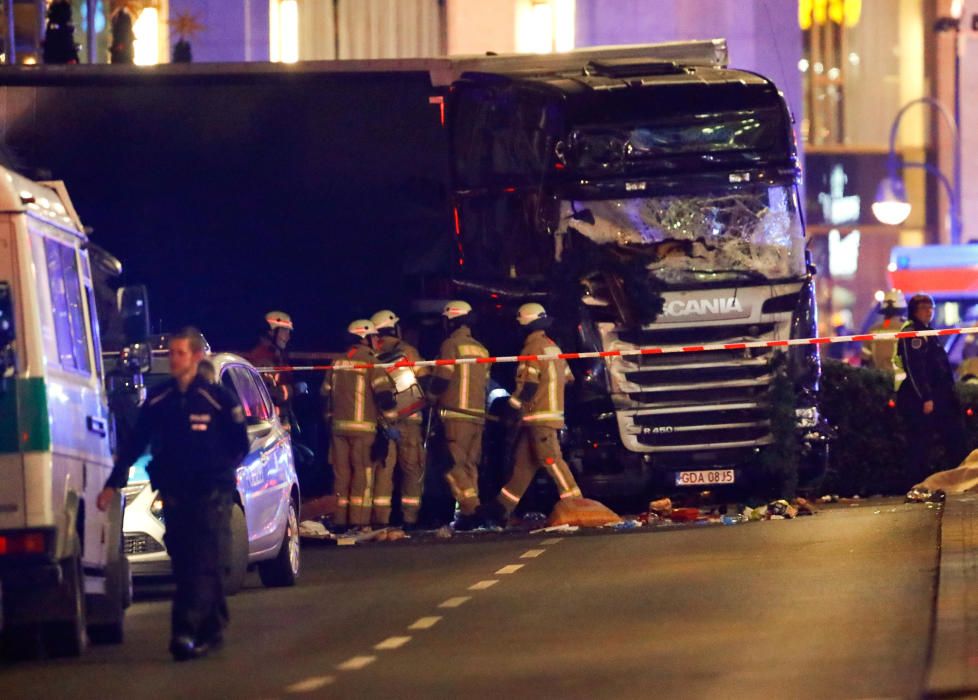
(667, 350)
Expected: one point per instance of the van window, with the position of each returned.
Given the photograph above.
(66, 306)
(93, 324)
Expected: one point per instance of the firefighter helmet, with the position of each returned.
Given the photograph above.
(528, 313)
(361, 328)
(278, 319)
(385, 319)
(456, 309)
(893, 299)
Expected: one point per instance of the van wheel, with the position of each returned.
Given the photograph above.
(110, 608)
(237, 566)
(283, 570)
(67, 637)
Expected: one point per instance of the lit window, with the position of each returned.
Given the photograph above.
(147, 32)
(545, 26)
(283, 31)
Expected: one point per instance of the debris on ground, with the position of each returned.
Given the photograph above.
(314, 529)
(661, 507)
(583, 512)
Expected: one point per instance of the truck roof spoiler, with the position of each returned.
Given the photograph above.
(442, 71)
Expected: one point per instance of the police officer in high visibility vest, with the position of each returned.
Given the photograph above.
(460, 393)
(926, 398)
(407, 452)
(537, 408)
(197, 433)
(351, 411)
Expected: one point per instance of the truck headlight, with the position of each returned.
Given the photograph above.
(806, 417)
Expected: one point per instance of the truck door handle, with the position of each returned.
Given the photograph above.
(96, 425)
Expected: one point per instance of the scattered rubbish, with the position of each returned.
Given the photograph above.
(805, 507)
(684, 515)
(533, 519)
(661, 507)
(556, 528)
(630, 524)
(444, 532)
(781, 509)
(314, 529)
(731, 519)
(833, 498)
(583, 512)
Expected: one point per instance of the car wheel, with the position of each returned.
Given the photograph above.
(237, 566)
(283, 570)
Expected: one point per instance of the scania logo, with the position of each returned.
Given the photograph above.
(719, 307)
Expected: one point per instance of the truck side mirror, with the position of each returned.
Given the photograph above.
(133, 304)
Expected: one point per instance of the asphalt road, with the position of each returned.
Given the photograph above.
(836, 605)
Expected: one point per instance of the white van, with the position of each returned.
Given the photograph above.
(62, 569)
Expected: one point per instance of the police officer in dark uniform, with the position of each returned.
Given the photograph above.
(926, 398)
(196, 433)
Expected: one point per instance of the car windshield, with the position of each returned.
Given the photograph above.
(743, 232)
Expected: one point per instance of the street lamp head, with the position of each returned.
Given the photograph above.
(891, 206)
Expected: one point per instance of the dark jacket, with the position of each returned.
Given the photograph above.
(197, 438)
(929, 375)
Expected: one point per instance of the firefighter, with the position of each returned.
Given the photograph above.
(926, 398)
(537, 408)
(270, 351)
(408, 451)
(351, 411)
(882, 353)
(460, 393)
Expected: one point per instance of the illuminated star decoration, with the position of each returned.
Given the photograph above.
(185, 25)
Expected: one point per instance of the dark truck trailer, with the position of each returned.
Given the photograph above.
(646, 194)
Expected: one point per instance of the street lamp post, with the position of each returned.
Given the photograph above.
(891, 205)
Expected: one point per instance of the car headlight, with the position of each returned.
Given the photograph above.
(806, 417)
(156, 508)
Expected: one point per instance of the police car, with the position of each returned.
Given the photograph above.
(265, 519)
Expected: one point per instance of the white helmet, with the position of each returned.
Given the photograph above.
(384, 319)
(893, 299)
(361, 328)
(278, 319)
(528, 313)
(456, 309)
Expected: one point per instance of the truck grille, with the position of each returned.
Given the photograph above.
(141, 543)
(683, 406)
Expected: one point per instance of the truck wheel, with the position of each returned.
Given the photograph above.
(237, 568)
(67, 637)
(283, 570)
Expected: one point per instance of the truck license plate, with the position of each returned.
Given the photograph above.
(707, 477)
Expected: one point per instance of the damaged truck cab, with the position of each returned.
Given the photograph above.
(650, 202)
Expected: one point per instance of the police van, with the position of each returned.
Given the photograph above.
(62, 570)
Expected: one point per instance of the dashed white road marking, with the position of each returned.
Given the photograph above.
(392, 643)
(310, 684)
(532, 553)
(424, 623)
(509, 569)
(356, 663)
(552, 540)
(455, 602)
(483, 585)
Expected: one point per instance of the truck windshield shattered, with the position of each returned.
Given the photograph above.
(745, 232)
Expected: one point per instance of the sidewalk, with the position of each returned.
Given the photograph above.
(953, 669)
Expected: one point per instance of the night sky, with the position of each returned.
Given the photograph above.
(230, 195)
